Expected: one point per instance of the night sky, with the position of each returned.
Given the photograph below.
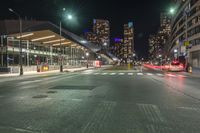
(143, 13)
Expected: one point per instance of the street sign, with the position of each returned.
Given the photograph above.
(186, 43)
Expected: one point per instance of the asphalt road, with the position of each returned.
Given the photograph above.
(100, 101)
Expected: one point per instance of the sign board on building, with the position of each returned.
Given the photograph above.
(130, 24)
(186, 43)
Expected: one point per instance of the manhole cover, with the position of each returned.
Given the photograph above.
(40, 96)
(73, 87)
(51, 92)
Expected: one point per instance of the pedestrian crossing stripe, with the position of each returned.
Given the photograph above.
(87, 73)
(139, 74)
(112, 73)
(121, 73)
(159, 74)
(104, 73)
(96, 73)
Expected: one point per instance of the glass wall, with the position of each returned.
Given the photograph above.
(37, 53)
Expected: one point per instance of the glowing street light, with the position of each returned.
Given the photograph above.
(87, 55)
(172, 10)
(175, 50)
(69, 16)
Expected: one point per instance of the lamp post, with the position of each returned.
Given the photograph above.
(186, 12)
(160, 56)
(69, 17)
(20, 41)
(87, 55)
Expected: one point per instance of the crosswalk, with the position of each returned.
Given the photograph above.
(135, 74)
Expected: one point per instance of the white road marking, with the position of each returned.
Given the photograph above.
(149, 74)
(86, 73)
(121, 73)
(102, 112)
(112, 73)
(152, 112)
(96, 73)
(182, 76)
(159, 74)
(189, 108)
(77, 100)
(130, 74)
(140, 74)
(104, 73)
(28, 82)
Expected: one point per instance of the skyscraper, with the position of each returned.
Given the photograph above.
(165, 23)
(102, 29)
(91, 37)
(128, 42)
(117, 48)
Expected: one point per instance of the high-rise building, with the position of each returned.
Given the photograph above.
(154, 46)
(185, 35)
(128, 48)
(158, 43)
(91, 37)
(165, 23)
(117, 48)
(102, 29)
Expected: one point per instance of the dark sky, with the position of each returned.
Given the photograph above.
(143, 13)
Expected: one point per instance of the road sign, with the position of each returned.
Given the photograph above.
(186, 43)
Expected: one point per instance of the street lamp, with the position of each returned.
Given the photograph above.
(175, 50)
(172, 10)
(160, 56)
(87, 55)
(69, 17)
(20, 41)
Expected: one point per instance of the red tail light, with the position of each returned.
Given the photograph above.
(166, 66)
(180, 66)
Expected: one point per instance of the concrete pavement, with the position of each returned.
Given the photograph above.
(98, 101)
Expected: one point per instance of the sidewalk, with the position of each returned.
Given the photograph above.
(47, 72)
(53, 71)
(195, 72)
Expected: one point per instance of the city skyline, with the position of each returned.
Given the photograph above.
(82, 9)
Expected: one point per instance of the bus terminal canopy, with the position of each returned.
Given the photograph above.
(46, 33)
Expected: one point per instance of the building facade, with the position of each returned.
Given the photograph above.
(117, 48)
(102, 29)
(100, 34)
(128, 47)
(154, 46)
(185, 36)
(40, 43)
(158, 43)
(91, 37)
